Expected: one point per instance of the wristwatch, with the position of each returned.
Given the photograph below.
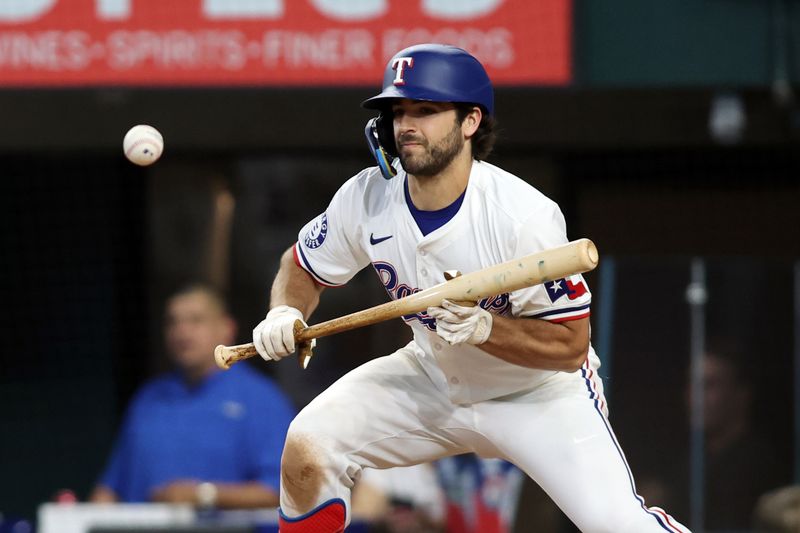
(207, 494)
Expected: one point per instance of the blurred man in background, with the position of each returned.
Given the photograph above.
(199, 435)
(740, 462)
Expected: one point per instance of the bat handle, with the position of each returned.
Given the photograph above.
(225, 356)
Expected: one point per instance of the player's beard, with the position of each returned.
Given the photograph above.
(435, 158)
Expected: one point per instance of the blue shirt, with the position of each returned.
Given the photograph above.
(229, 428)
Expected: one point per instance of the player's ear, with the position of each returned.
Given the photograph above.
(471, 122)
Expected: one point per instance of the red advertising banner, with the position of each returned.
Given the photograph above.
(52, 43)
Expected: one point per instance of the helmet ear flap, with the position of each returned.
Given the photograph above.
(383, 151)
(385, 129)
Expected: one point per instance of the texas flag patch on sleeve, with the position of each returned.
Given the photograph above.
(572, 288)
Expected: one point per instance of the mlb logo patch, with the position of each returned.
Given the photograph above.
(565, 287)
(316, 235)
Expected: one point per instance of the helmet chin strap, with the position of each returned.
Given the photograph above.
(384, 156)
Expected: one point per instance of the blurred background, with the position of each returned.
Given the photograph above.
(667, 130)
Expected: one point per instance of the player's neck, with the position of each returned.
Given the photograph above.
(430, 193)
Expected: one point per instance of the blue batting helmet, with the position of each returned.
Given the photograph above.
(436, 73)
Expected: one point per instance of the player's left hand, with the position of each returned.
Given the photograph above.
(458, 324)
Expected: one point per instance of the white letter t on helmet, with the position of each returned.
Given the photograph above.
(399, 65)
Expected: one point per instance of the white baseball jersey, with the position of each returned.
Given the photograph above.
(501, 218)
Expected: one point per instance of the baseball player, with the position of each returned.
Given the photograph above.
(514, 377)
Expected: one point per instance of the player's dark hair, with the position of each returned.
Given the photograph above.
(484, 138)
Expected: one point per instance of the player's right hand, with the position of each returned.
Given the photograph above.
(273, 337)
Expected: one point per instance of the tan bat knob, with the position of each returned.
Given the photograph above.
(221, 358)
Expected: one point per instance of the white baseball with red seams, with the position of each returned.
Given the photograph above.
(143, 145)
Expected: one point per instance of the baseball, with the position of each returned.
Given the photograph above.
(143, 145)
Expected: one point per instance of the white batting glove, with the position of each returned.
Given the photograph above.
(273, 337)
(458, 324)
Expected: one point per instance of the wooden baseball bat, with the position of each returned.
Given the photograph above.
(555, 263)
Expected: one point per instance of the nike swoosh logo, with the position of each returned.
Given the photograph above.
(373, 240)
